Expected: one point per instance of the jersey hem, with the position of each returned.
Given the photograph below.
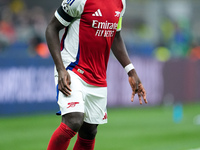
(103, 84)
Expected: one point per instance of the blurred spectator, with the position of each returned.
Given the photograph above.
(7, 34)
(21, 25)
(38, 24)
(17, 6)
(180, 41)
(176, 25)
(162, 53)
(195, 52)
(38, 47)
(7, 30)
(42, 50)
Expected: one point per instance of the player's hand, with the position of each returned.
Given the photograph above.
(64, 82)
(137, 88)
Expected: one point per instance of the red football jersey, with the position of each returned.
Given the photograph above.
(90, 29)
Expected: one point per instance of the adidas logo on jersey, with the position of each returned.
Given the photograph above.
(97, 13)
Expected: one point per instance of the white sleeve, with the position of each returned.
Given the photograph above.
(69, 10)
(124, 7)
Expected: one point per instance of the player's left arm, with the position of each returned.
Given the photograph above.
(120, 52)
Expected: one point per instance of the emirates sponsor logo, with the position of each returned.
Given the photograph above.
(105, 29)
(104, 25)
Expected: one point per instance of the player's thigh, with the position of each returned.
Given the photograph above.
(73, 120)
(74, 102)
(95, 105)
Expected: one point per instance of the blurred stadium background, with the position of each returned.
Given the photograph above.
(163, 41)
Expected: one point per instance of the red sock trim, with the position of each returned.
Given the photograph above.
(69, 132)
(84, 144)
(61, 138)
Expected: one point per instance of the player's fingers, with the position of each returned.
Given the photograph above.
(140, 98)
(144, 96)
(66, 81)
(67, 93)
(64, 91)
(136, 87)
(63, 88)
(60, 85)
(143, 93)
(68, 86)
(132, 97)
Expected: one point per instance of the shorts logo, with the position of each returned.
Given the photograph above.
(105, 116)
(72, 104)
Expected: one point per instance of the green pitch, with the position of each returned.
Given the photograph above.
(150, 128)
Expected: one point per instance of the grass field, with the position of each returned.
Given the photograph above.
(149, 128)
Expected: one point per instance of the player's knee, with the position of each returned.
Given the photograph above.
(90, 134)
(93, 133)
(88, 131)
(75, 126)
(73, 120)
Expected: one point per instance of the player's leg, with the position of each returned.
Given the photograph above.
(70, 124)
(86, 137)
(73, 120)
(95, 100)
(72, 111)
(88, 131)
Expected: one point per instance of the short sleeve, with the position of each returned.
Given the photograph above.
(124, 8)
(69, 10)
(119, 26)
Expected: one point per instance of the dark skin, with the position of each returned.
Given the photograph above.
(75, 120)
(119, 50)
(72, 120)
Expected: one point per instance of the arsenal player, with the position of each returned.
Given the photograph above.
(92, 28)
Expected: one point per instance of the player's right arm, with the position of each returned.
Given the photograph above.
(53, 42)
(68, 11)
(120, 52)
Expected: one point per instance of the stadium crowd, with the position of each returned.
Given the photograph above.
(159, 30)
(22, 26)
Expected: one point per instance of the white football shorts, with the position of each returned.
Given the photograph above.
(88, 99)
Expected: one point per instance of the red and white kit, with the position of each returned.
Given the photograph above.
(85, 46)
